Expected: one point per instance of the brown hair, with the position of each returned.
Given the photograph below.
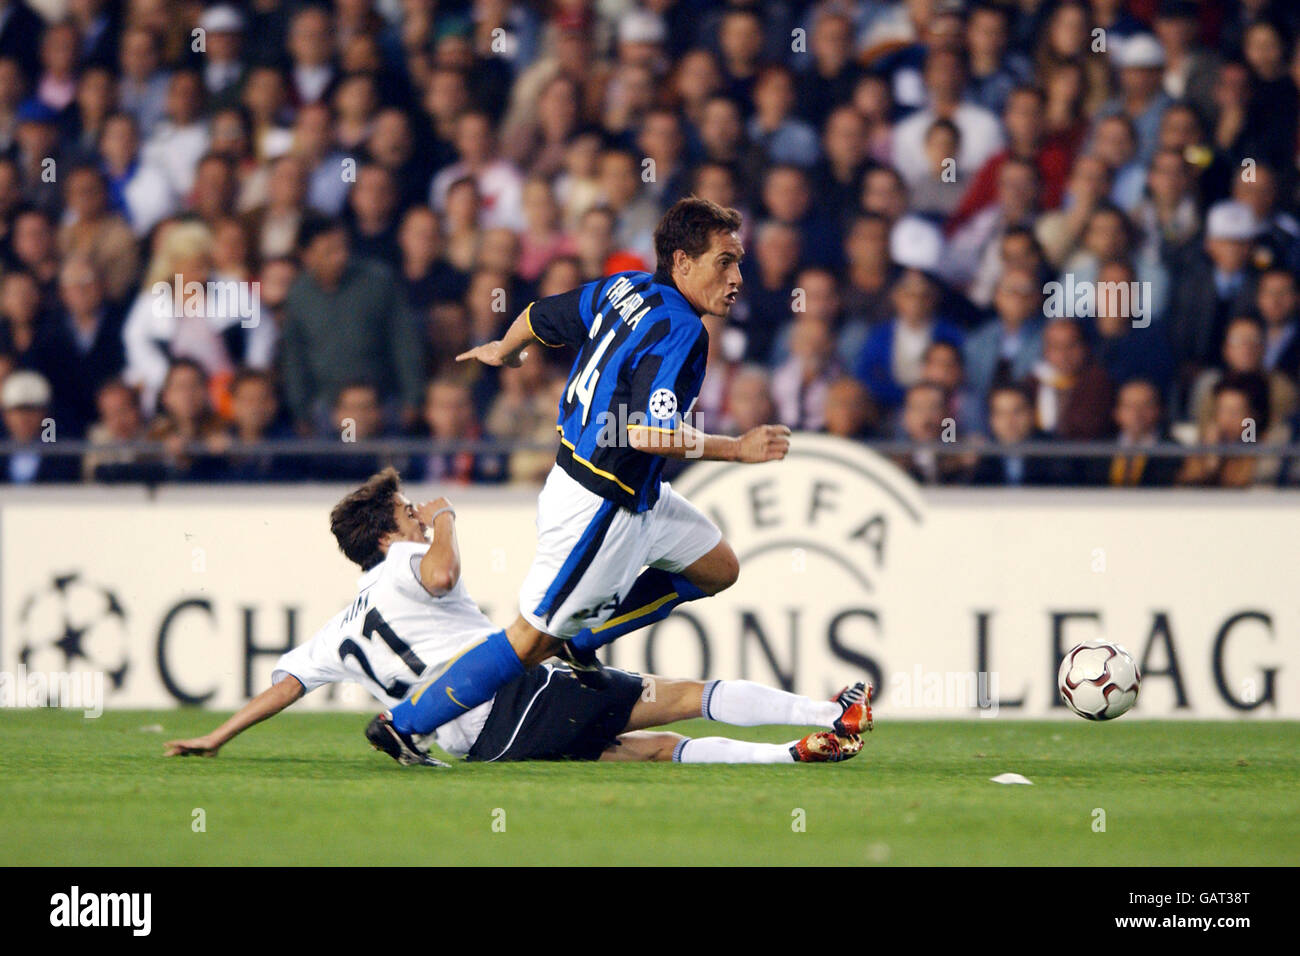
(689, 225)
(362, 518)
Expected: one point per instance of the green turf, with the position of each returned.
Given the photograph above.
(305, 789)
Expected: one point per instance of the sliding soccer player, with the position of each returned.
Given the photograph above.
(412, 614)
(617, 548)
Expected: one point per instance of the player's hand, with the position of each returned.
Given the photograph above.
(495, 354)
(764, 443)
(426, 511)
(196, 747)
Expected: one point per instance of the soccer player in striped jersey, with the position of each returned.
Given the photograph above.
(412, 614)
(617, 548)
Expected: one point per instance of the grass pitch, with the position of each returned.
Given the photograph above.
(305, 789)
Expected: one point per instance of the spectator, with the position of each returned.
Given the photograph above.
(937, 194)
(426, 275)
(256, 419)
(372, 215)
(1138, 421)
(1236, 419)
(20, 308)
(1011, 422)
(749, 400)
(25, 400)
(1215, 285)
(356, 417)
(924, 420)
(1072, 391)
(119, 422)
(1243, 360)
(81, 347)
(92, 229)
(141, 193)
(449, 416)
(1028, 140)
(142, 90)
(869, 275)
(498, 182)
(767, 294)
(1278, 304)
(782, 136)
(800, 383)
(346, 320)
(542, 239)
(945, 84)
(890, 361)
(181, 137)
(1007, 347)
(185, 418)
(944, 366)
(175, 317)
(1127, 344)
(1140, 61)
(850, 413)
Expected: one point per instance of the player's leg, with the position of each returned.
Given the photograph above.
(665, 700)
(571, 525)
(473, 677)
(744, 703)
(642, 745)
(663, 746)
(688, 560)
(467, 680)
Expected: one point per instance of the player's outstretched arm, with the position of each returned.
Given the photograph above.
(266, 704)
(507, 350)
(440, 566)
(760, 444)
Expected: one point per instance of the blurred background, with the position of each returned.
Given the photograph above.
(1004, 243)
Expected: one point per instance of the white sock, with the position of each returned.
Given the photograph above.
(746, 704)
(726, 750)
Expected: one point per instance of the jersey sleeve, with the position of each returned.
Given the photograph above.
(667, 377)
(402, 570)
(564, 319)
(314, 664)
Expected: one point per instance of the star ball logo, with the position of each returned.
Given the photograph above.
(663, 404)
(72, 638)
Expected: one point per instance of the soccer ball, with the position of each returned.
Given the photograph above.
(1099, 681)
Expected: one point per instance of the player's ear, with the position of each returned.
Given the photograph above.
(681, 261)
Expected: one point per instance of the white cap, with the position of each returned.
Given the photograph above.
(1231, 220)
(916, 244)
(222, 18)
(1141, 50)
(642, 26)
(25, 389)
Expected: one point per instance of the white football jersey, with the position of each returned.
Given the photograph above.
(393, 637)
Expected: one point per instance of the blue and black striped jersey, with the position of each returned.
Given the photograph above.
(641, 356)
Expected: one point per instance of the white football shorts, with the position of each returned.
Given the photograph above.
(589, 551)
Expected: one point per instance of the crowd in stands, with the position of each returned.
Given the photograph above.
(224, 226)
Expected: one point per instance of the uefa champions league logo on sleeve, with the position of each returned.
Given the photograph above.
(663, 404)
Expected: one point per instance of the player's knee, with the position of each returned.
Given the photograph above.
(724, 571)
(531, 645)
(665, 746)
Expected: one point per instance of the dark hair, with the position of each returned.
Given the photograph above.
(689, 225)
(361, 519)
(313, 226)
(247, 374)
(1254, 386)
(1018, 388)
(943, 344)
